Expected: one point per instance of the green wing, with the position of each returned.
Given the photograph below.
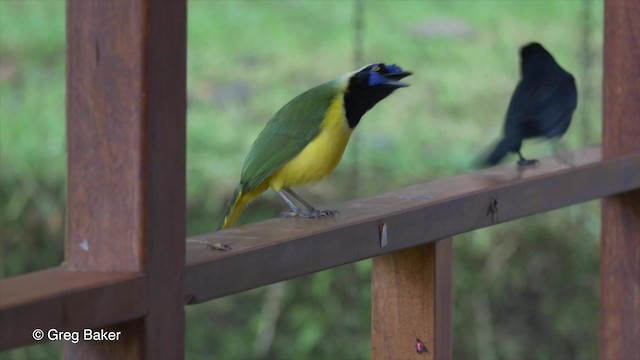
(287, 133)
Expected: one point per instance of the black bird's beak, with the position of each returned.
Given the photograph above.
(392, 79)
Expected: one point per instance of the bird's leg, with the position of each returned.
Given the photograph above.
(295, 211)
(310, 208)
(300, 199)
(310, 212)
(526, 162)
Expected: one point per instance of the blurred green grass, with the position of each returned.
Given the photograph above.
(245, 60)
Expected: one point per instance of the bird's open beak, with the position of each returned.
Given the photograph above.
(392, 79)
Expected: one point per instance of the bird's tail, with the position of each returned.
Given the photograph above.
(239, 200)
(507, 144)
(234, 209)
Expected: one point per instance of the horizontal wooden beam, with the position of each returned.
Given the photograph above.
(67, 300)
(281, 249)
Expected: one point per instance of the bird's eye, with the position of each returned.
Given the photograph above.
(376, 69)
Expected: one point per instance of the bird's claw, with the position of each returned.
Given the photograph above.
(288, 214)
(328, 213)
(529, 162)
(310, 214)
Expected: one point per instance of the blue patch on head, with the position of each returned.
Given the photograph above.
(394, 69)
(376, 78)
(377, 73)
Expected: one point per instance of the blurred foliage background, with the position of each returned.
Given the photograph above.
(527, 289)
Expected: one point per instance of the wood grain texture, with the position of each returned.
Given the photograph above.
(444, 300)
(105, 187)
(411, 301)
(105, 194)
(286, 248)
(403, 303)
(126, 107)
(165, 147)
(620, 246)
(67, 300)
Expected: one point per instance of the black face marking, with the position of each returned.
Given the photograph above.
(359, 100)
(361, 96)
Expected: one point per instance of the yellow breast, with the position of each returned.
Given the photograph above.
(321, 156)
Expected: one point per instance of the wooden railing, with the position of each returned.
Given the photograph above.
(281, 249)
(127, 267)
(286, 248)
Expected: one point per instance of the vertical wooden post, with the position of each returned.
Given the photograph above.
(412, 301)
(620, 245)
(126, 104)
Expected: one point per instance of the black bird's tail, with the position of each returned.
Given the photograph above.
(510, 143)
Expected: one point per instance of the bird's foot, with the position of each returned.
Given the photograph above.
(310, 214)
(328, 213)
(528, 162)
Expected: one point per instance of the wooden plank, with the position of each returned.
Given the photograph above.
(444, 300)
(165, 182)
(286, 248)
(126, 81)
(105, 193)
(411, 303)
(620, 245)
(67, 300)
(403, 303)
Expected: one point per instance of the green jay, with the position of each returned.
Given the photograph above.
(304, 141)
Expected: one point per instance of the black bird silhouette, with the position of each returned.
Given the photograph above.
(541, 105)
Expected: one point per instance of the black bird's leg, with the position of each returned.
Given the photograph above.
(526, 162)
(310, 212)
